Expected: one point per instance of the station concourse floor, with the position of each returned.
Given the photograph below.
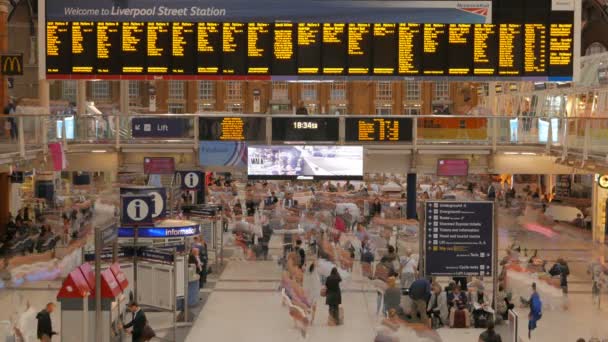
(245, 305)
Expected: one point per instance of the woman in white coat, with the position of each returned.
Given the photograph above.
(438, 305)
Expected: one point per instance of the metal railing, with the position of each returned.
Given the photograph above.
(586, 135)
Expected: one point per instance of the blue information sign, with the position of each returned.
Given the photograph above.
(190, 180)
(459, 238)
(137, 210)
(158, 127)
(159, 198)
(159, 232)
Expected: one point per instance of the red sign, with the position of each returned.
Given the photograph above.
(159, 165)
(109, 285)
(452, 167)
(74, 286)
(120, 276)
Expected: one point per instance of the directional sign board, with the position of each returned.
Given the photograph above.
(459, 238)
(159, 198)
(137, 210)
(158, 127)
(190, 180)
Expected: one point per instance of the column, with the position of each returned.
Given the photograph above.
(5, 5)
(44, 98)
(411, 195)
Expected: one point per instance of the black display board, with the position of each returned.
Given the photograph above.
(459, 238)
(542, 49)
(305, 129)
(232, 129)
(369, 129)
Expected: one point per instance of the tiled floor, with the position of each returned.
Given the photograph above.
(245, 305)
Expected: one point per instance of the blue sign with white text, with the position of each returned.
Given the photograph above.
(158, 127)
(159, 232)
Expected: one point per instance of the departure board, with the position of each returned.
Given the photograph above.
(133, 47)
(535, 49)
(284, 43)
(335, 47)
(560, 49)
(460, 49)
(208, 48)
(58, 47)
(510, 49)
(259, 48)
(384, 49)
(485, 54)
(409, 61)
(434, 49)
(309, 48)
(232, 129)
(84, 41)
(183, 48)
(359, 49)
(379, 129)
(305, 129)
(159, 47)
(234, 48)
(109, 48)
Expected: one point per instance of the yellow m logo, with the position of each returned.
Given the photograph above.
(12, 64)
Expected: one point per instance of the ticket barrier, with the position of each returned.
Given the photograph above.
(77, 298)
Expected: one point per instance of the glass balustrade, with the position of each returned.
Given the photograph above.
(584, 134)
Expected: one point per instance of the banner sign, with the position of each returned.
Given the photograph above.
(137, 209)
(159, 232)
(156, 255)
(270, 11)
(159, 198)
(190, 180)
(109, 235)
(159, 165)
(223, 153)
(453, 128)
(106, 254)
(459, 238)
(158, 127)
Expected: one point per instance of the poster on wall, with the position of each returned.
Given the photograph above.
(223, 153)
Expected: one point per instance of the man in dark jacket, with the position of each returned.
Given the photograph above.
(420, 292)
(45, 326)
(137, 323)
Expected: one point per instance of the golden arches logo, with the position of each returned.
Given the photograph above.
(12, 65)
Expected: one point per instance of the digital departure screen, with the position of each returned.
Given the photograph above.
(485, 55)
(182, 49)
(305, 129)
(410, 42)
(510, 49)
(232, 129)
(434, 52)
(58, 47)
(159, 47)
(560, 49)
(234, 48)
(284, 58)
(208, 48)
(384, 49)
(133, 48)
(335, 47)
(460, 49)
(309, 48)
(84, 41)
(109, 48)
(535, 49)
(378, 130)
(359, 49)
(259, 48)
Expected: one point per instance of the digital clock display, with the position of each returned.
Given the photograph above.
(305, 125)
(309, 129)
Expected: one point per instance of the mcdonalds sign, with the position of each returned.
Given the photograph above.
(11, 64)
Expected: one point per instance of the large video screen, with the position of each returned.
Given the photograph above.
(305, 162)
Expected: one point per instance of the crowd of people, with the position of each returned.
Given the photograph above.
(27, 233)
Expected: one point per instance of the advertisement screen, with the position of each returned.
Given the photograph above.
(305, 162)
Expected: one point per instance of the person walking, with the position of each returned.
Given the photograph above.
(420, 292)
(536, 310)
(45, 325)
(392, 296)
(409, 266)
(138, 323)
(334, 297)
(194, 259)
(489, 335)
(10, 125)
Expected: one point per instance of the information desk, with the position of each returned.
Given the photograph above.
(162, 229)
(261, 49)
